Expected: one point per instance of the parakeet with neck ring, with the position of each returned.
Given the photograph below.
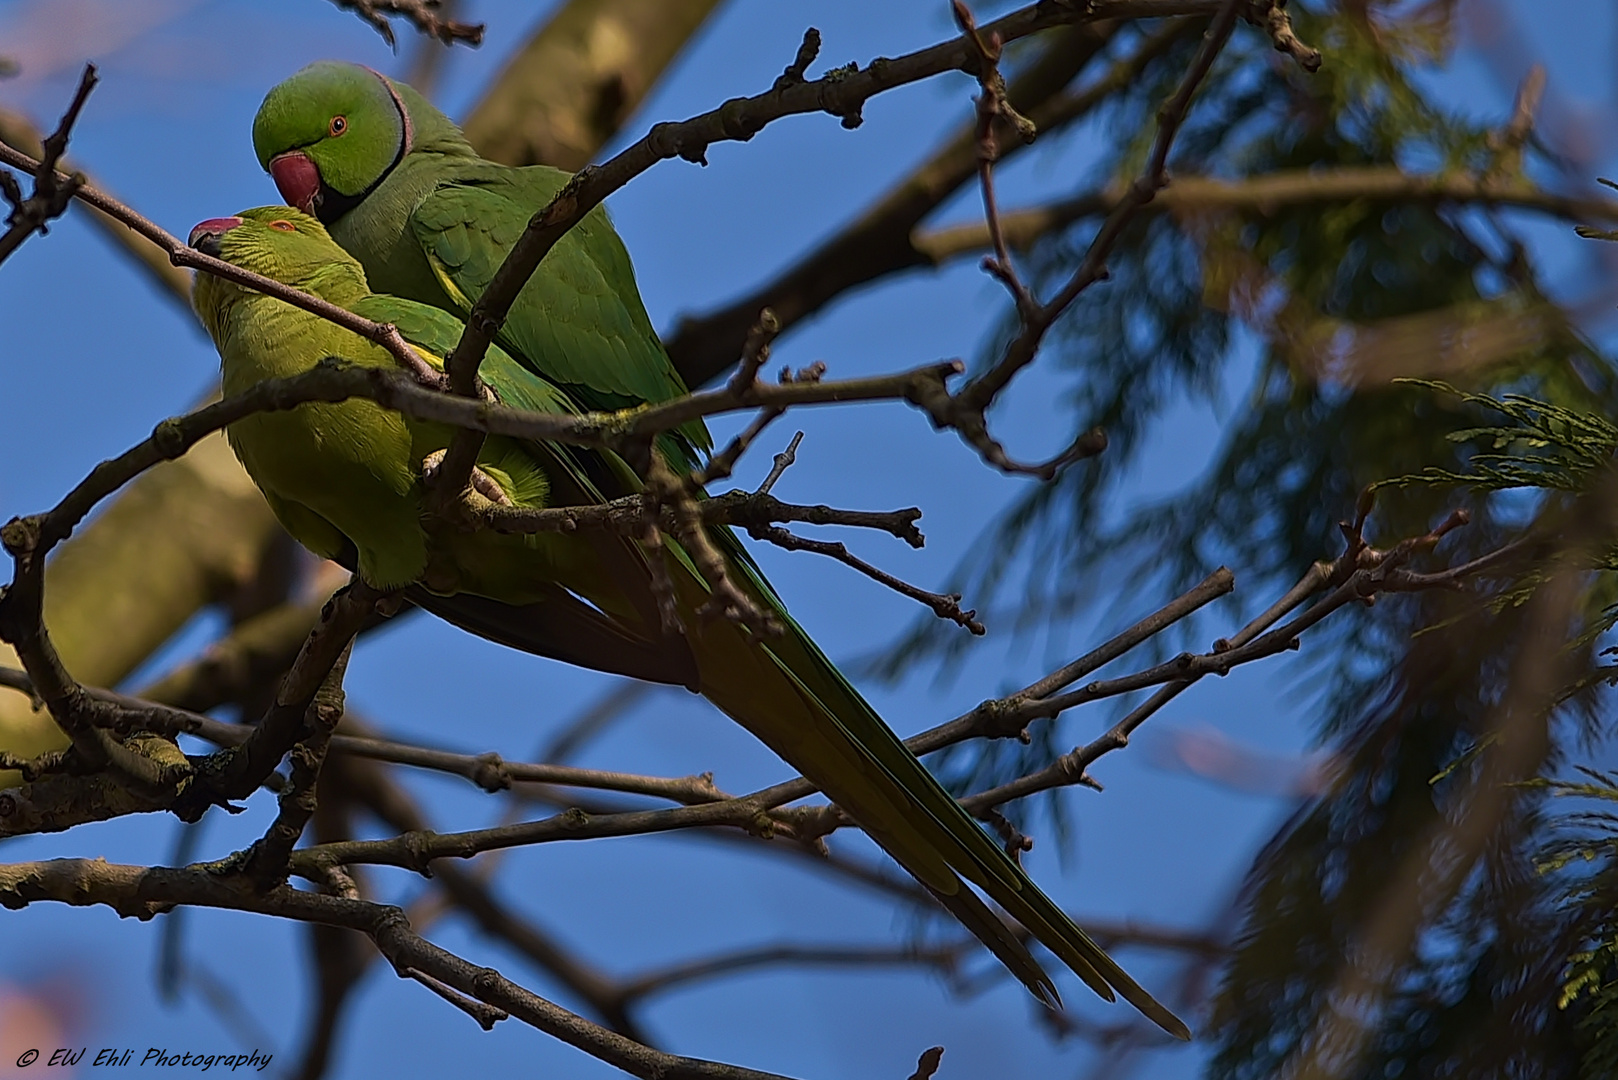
(403, 192)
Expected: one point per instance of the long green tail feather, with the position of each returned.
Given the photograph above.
(845, 748)
(971, 912)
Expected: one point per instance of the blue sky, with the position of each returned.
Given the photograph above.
(96, 357)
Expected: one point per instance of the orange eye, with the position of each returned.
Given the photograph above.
(283, 225)
(339, 124)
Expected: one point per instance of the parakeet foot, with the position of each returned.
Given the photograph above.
(481, 482)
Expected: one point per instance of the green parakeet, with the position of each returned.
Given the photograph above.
(404, 193)
(346, 481)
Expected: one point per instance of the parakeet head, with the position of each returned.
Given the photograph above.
(278, 242)
(331, 133)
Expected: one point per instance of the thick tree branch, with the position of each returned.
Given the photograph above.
(143, 892)
(1270, 192)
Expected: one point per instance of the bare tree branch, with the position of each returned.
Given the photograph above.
(944, 605)
(181, 255)
(422, 14)
(943, 960)
(879, 242)
(1285, 187)
(172, 282)
(1358, 574)
(1020, 352)
(842, 93)
(143, 892)
(52, 193)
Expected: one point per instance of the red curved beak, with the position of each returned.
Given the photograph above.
(205, 234)
(297, 179)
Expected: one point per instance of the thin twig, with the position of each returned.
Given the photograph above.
(181, 255)
(1020, 352)
(927, 1064)
(782, 462)
(755, 354)
(53, 192)
(422, 14)
(627, 516)
(1273, 17)
(943, 959)
(486, 1015)
(944, 605)
(992, 106)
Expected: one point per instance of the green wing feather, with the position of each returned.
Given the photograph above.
(436, 331)
(930, 815)
(562, 626)
(579, 321)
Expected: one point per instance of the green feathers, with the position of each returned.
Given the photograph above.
(404, 194)
(402, 191)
